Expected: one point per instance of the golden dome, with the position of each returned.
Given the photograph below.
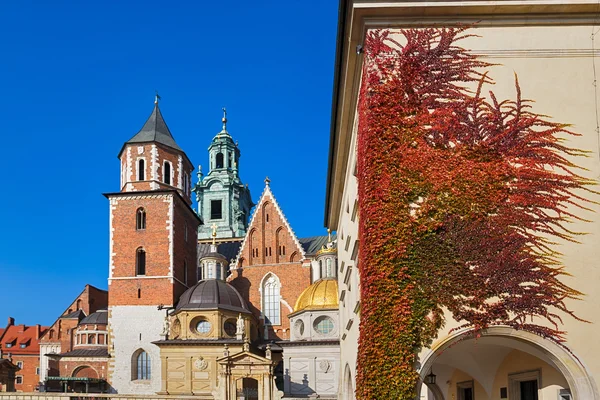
(323, 294)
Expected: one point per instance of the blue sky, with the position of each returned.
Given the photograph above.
(78, 80)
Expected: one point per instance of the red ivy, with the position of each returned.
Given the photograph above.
(458, 197)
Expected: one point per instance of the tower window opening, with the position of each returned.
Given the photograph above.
(139, 293)
(140, 220)
(216, 211)
(267, 217)
(140, 262)
(284, 250)
(167, 173)
(185, 272)
(141, 169)
(229, 165)
(269, 252)
(219, 160)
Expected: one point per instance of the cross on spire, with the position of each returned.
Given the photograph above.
(267, 181)
(156, 97)
(224, 119)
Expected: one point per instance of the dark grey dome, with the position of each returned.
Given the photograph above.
(99, 317)
(211, 294)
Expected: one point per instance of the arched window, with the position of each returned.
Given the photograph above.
(219, 160)
(78, 304)
(141, 172)
(167, 173)
(329, 272)
(142, 366)
(140, 262)
(271, 300)
(140, 219)
(51, 334)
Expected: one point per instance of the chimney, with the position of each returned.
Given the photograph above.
(38, 331)
(11, 321)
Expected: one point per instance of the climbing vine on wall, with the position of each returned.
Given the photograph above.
(460, 196)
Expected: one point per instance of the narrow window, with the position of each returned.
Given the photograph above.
(267, 217)
(139, 293)
(167, 173)
(185, 232)
(271, 299)
(269, 252)
(141, 169)
(143, 364)
(219, 160)
(140, 262)
(185, 272)
(78, 304)
(229, 165)
(140, 219)
(284, 250)
(216, 211)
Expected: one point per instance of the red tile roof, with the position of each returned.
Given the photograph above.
(22, 335)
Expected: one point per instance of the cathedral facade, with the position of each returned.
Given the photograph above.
(217, 302)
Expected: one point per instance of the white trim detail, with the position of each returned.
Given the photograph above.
(267, 191)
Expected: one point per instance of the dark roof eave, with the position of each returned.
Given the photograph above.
(337, 69)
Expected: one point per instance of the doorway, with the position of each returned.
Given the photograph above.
(524, 385)
(247, 389)
(465, 390)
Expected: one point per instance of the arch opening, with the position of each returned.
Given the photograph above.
(503, 360)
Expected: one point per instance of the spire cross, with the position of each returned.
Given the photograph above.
(214, 233)
(267, 181)
(224, 118)
(156, 97)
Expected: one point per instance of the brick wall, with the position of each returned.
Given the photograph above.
(28, 372)
(271, 247)
(154, 156)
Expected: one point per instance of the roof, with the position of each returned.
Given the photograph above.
(5, 363)
(321, 295)
(18, 335)
(228, 249)
(314, 243)
(212, 294)
(154, 130)
(102, 352)
(99, 317)
(75, 314)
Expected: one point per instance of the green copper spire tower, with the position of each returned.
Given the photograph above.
(223, 200)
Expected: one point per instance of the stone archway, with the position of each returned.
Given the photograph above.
(496, 343)
(85, 371)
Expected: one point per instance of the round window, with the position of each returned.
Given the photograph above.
(323, 325)
(299, 326)
(203, 326)
(230, 327)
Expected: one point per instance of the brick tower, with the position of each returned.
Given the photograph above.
(152, 252)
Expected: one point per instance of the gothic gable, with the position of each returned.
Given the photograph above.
(270, 239)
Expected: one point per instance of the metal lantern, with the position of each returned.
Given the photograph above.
(430, 379)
